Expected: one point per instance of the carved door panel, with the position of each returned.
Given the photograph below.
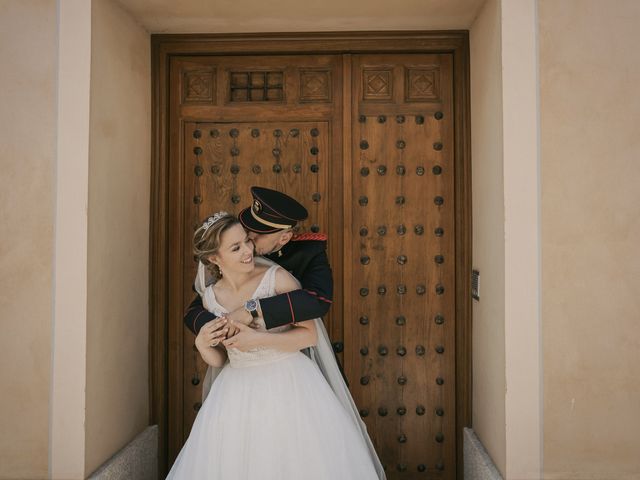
(365, 143)
(399, 329)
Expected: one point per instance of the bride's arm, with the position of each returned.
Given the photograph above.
(208, 342)
(302, 335)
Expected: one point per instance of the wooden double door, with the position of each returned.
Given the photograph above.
(366, 142)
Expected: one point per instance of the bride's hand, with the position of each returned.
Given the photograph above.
(212, 333)
(245, 339)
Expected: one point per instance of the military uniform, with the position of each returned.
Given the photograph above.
(305, 257)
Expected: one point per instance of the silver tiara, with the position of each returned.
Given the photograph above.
(213, 219)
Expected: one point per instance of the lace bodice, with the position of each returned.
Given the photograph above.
(260, 355)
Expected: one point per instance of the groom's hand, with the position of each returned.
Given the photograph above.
(245, 339)
(239, 316)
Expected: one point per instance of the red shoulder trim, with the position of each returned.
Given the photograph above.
(310, 236)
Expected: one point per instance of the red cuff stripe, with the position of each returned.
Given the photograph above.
(291, 307)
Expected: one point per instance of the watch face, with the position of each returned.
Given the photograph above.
(251, 305)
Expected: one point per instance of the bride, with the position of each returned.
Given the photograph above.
(272, 412)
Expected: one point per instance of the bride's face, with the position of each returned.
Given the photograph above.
(236, 251)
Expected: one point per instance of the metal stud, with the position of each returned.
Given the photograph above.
(400, 200)
(277, 133)
(401, 411)
(402, 438)
(197, 134)
(438, 200)
(438, 115)
(401, 230)
(364, 380)
(382, 411)
(233, 133)
(422, 467)
(314, 167)
(419, 119)
(365, 259)
(440, 381)
(294, 132)
(401, 351)
(364, 292)
(402, 467)
(440, 349)
(196, 406)
(315, 132)
(363, 201)
(215, 169)
(440, 466)
(437, 170)
(338, 347)
(420, 410)
(314, 150)
(235, 169)
(297, 168)
(421, 289)
(382, 290)
(382, 230)
(198, 170)
(439, 289)
(364, 320)
(256, 169)
(419, 229)
(277, 168)
(439, 232)
(382, 119)
(420, 350)
(439, 437)
(255, 133)
(420, 171)
(402, 289)
(364, 231)
(362, 118)
(235, 199)
(439, 319)
(364, 413)
(276, 152)
(402, 259)
(437, 146)
(214, 133)
(382, 350)
(400, 118)
(364, 171)
(316, 197)
(439, 411)
(382, 170)
(364, 351)
(197, 150)
(235, 151)
(195, 380)
(402, 380)
(401, 144)
(401, 170)
(197, 199)
(439, 259)
(364, 144)
(315, 228)
(401, 320)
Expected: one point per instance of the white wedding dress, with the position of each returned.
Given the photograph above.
(271, 415)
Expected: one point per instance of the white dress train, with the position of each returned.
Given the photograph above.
(271, 415)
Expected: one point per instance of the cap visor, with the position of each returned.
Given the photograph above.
(250, 223)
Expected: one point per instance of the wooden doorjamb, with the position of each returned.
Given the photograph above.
(163, 47)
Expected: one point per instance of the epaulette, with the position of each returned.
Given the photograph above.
(310, 236)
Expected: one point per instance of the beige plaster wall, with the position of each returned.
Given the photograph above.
(488, 231)
(27, 214)
(118, 233)
(589, 74)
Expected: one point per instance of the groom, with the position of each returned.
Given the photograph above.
(269, 222)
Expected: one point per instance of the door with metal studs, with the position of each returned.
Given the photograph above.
(365, 143)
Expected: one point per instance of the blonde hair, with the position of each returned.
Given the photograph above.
(206, 239)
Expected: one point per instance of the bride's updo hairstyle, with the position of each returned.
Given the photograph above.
(206, 240)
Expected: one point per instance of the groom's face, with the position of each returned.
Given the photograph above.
(266, 243)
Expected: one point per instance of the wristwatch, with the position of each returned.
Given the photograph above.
(251, 306)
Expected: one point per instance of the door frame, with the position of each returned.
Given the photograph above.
(164, 46)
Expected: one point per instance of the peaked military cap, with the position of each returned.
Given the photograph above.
(271, 211)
